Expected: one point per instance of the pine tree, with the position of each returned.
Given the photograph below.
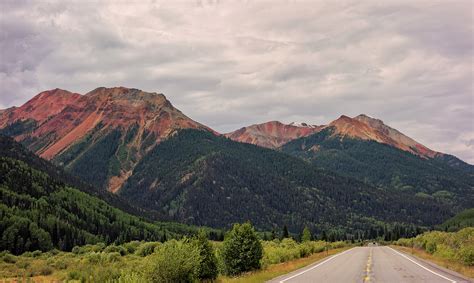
(241, 250)
(306, 235)
(285, 234)
(208, 265)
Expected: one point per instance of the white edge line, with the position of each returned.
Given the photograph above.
(313, 267)
(435, 273)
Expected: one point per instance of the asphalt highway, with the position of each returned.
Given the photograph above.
(372, 264)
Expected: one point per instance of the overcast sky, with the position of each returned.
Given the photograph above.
(228, 64)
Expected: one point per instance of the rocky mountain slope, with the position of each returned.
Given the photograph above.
(275, 134)
(99, 136)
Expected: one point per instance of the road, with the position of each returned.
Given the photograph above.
(372, 264)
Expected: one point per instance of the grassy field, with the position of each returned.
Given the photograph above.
(447, 263)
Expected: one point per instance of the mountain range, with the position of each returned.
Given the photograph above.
(353, 175)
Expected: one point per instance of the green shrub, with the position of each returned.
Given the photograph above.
(54, 252)
(174, 262)
(88, 248)
(430, 247)
(113, 257)
(74, 275)
(128, 278)
(93, 257)
(457, 246)
(23, 264)
(241, 250)
(9, 258)
(45, 270)
(147, 248)
(36, 253)
(131, 247)
(60, 264)
(115, 249)
(466, 255)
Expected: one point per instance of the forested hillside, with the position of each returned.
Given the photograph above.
(459, 221)
(389, 168)
(39, 212)
(199, 178)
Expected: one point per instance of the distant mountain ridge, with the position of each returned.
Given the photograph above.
(275, 134)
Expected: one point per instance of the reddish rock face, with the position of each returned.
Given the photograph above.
(367, 128)
(61, 119)
(67, 117)
(272, 134)
(275, 134)
(41, 107)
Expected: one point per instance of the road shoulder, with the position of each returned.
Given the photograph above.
(434, 267)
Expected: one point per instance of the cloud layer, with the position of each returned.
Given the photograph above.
(229, 64)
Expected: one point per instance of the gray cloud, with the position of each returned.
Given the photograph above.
(229, 64)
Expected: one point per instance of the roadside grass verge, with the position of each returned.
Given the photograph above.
(447, 263)
(275, 270)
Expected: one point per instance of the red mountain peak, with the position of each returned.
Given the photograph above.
(271, 134)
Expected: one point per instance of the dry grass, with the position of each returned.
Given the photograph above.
(276, 270)
(449, 264)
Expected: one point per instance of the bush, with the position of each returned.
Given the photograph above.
(276, 251)
(93, 257)
(174, 262)
(74, 275)
(128, 278)
(208, 261)
(45, 270)
(147, 248)
(457, 246)
(113, 257)
(115, 249)
(9, 258)
(466, 255)
(241, 250)
(60, 264)
(23, 264)
(131, 247)
(88, 248)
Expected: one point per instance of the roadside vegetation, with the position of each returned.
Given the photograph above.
(454, 250)
(242, 254)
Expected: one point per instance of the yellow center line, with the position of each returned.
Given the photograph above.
(368, 268)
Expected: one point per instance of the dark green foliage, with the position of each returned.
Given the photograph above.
(194, 174)
(14, 150)
(19, 127)
(285, 234)
(242, 250)
(459, 221)
(208, 263)
(95, 165)
(146, 249)
(389, 168)
(38, 213)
